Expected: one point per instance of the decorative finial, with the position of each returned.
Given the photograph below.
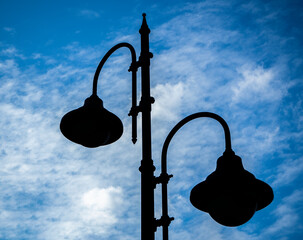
(144, 26)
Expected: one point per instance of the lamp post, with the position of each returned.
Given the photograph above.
(231, 195)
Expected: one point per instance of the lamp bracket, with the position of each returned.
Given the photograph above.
(163, 221)
(134, 66)
(163, 178)
(134, 111)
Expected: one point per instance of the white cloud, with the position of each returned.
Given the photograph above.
(39, 161)
(288, 171)
(257, 85)
(169, 99)
(102, 204)
(10, 30)
(91, 14)
(11, 52)
(9, 68)
(92, 212)
(287, 214)
(88, 54)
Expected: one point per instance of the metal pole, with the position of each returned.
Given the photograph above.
(147, 167)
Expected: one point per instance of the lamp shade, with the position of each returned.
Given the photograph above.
(91, 125)
(231, 195)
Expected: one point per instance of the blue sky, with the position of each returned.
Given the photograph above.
(241, 60)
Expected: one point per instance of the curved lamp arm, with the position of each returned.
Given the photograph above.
(107, 55)
(165, 177)
(133, 68)
(186, 120)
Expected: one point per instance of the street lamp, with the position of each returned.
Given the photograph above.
(231, 195)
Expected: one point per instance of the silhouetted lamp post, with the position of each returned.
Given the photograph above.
(231, 195)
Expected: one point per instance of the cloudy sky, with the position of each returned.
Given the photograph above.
(239, 59)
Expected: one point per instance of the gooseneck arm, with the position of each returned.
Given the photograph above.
(107, 55)
(133, 68)
(164, 177)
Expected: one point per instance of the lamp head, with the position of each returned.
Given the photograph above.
(231, 195)
(91, 125)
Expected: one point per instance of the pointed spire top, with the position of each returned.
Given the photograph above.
(144, 26)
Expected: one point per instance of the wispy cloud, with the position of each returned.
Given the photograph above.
(288, 219)
(87, 13)
(288, 171)
(11, 52)
(9, 30)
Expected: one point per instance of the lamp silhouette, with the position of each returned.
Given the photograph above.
(92, 125)
(231, 195)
